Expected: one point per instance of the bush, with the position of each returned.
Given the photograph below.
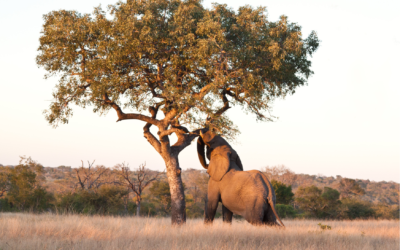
(319, 203)
(5, 206)
(357, 209)
(105, 200)
(389, 212)
(283, 193)
(285, 211)
(161, 197)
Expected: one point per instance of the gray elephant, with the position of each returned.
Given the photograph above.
(246, 193)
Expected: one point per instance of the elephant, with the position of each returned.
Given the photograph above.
(236, 164)
(246, 193)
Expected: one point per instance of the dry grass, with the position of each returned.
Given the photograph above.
(29, 231)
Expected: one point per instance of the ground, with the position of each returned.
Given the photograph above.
(50, 231)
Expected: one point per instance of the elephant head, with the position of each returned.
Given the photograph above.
(221, 155)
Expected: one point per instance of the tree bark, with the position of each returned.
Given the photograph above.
(138, 206)
(178, 205)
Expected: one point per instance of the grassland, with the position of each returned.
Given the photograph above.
(49, 231)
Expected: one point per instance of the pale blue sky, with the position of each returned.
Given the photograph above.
(345, 122)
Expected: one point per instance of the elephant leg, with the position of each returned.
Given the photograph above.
(255, 212)
(226, 215)
(205, 206)
(211, 208)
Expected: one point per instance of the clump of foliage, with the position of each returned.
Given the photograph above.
(161, 197)
(283, 193)
(285, 211)
(355, 208)
(23, 185)
(318, 203)
(105, 200)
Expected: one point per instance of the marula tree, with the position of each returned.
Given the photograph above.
(174, 65)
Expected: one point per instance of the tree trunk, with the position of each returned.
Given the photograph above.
(138, 206)
(126, 203)
(178, 206)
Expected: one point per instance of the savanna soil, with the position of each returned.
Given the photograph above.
(49, 231)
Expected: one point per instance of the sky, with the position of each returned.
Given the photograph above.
(344, 122)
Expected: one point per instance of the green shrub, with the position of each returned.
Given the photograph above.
(383, 211)
(105, 200)
(285, 211)
(318, 203)
(358, 209)
(283, 193)
(5, 206)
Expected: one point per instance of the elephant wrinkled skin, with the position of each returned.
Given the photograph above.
(246, 193)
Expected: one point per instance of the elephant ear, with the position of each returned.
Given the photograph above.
(219, 165)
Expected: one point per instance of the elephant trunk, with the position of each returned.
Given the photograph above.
(200, 152)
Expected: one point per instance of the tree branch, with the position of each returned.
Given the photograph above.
(202, 92)
(146, 129)
(221, 110)
(226, 104)
(130, 116)
(186, 109)
(184, 140)
(180, 130)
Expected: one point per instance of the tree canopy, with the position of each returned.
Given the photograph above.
(191, 62)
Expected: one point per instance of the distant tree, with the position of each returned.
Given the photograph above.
(318, 203)
(281, 174)
(383, 211)
(284, 194)
(309, 199)
(136, 181)
(330, 198)
(35, 167)
(4, 183)
(161, 196)
(349, 188)
(358, 209)
(25, 186)
(196, 184)
(92, 178)
(191, 63)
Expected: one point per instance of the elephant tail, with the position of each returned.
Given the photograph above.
(271, 203)
(270, 200)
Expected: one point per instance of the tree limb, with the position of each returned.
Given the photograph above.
(172, 130)
(146, 129)
(184, 140)
(226, 104)
(130, 116)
